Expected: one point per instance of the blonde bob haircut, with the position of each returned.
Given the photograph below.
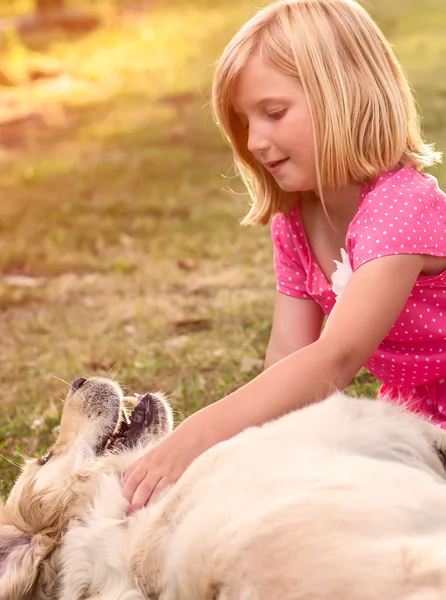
(363, 114)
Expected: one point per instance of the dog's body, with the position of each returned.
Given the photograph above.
(345, 499)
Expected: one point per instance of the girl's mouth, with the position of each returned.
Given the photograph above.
(274, 167)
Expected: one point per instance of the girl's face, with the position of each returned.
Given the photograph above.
(273, 108)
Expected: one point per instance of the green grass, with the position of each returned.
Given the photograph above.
(114, 204)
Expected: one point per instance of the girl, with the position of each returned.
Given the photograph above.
(326, 137)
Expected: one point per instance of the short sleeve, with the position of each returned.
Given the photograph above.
(402, 216)
(291, 278)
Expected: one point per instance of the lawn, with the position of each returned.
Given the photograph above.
(121, 251)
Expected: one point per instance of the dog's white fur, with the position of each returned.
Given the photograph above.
(345, 500)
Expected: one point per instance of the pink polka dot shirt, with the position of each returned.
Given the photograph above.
(401, 212)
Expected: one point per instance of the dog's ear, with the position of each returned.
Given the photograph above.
(440, 449)
(20, 556)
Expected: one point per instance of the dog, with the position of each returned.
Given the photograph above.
(344, 499)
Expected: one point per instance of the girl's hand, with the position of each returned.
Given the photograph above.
(162, 465)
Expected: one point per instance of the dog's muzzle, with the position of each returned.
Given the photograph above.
(129, 433)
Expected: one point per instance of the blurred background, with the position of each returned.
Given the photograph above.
(121, 251)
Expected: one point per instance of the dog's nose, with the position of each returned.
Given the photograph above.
(77, 383)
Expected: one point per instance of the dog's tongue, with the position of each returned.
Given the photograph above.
(129, 433)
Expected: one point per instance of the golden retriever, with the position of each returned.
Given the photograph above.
(343, 500)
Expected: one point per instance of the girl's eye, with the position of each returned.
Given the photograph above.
(276, 115)
(42, 460)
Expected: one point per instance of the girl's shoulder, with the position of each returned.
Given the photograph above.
(401, 212)
(401, 188)
(286, 219)
(287, 228)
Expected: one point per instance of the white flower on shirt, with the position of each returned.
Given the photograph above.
(342, 274)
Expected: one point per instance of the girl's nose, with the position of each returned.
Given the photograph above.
(257, 142)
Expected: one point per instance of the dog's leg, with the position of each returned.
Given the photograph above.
(74, 588)
(77, 565)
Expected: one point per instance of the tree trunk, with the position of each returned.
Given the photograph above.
(46, 7)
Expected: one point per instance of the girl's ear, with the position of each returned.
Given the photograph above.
(19, 562)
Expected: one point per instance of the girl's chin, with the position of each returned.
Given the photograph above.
(294, 186)
(299, 183)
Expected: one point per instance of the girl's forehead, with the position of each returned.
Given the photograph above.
(259, 81)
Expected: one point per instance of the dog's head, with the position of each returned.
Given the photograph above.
(52, 491)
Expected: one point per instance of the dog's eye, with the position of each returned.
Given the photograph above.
(42, 460)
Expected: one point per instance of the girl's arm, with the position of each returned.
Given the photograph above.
(370, 304)
(297, 323)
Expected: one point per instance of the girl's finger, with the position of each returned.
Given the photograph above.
(157, 490)
(133, 482)
(143, 493)
(130, 470)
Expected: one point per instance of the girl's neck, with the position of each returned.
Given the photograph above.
(326, 236)
(341, 204)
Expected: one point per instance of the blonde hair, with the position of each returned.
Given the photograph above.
(362, 110)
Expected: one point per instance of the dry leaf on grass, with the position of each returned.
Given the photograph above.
(187, 264)
(249, 364)
(22, 281)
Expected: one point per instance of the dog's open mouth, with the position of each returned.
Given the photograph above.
(129, 431)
